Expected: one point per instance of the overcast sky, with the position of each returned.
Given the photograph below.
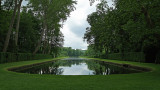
(75, 26)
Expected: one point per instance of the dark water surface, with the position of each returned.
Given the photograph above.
(77, 66)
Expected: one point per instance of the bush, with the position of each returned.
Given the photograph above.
(15, 57)
(130, 56)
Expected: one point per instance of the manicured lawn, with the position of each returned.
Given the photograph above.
(137, 81)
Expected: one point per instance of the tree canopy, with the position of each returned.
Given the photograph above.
(129, 26)
(34, 28)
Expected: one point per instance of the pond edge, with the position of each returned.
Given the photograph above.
(136, 67)
(141, 68)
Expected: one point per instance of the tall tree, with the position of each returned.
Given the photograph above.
(51, 12)
(10, 27)
(0, 5)
(130, 23)
(29, 31)
(17, 26)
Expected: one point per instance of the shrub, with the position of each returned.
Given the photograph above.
(14, 57)
(130, 56)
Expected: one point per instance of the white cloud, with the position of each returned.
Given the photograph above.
(72, 40)
(24, 3)
(77, 70)
(75, 26)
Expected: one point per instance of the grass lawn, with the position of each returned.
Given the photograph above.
(137, 81)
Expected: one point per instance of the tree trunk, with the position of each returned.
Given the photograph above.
(45, 40)
(106, 52)
(50, 42)
(10, 28)
(147, 16)
(49, 46)
(40, 40)
(0, 5)
(17, 26)
(49, 49)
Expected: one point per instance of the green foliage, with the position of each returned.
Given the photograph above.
(39, 30)
(129, 26)
(4, 24)
(52, 14)
(29, 32)
(93, 52)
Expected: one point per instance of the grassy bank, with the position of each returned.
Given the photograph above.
(137, 81)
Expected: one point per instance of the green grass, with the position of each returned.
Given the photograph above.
(137, 81)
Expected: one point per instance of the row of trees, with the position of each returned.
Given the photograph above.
(35, 27)
(128, 26)
(68, 51)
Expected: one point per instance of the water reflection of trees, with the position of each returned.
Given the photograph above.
(69, 63)
(52, 68)
(102, 68)
(49, 68)
(98, 68)
(56, 67)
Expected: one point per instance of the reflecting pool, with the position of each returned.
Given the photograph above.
(76, 66)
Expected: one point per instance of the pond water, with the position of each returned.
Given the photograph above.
(76, 66)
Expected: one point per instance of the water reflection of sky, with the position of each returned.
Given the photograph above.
(81, 69)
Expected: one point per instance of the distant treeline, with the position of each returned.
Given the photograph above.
(68, 51)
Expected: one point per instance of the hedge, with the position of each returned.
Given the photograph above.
(130, 56)
(158, 57)
(15, 57)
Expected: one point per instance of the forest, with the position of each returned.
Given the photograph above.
(35, 27)
(127, 26)
(122, 38)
